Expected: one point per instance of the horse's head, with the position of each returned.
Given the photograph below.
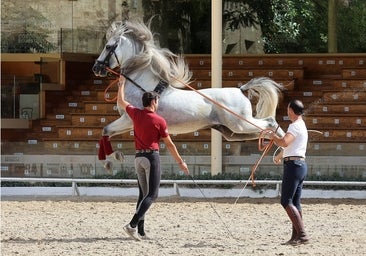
(117, 51)
(131, 47)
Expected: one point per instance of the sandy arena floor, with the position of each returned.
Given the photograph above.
(177, 226)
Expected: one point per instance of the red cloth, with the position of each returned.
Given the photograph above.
(105, 148)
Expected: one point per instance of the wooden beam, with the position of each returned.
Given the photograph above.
(332, 26)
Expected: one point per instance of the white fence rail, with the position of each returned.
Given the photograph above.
(175, 183)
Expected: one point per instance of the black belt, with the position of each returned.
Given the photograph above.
(293, 158)
(146, 151)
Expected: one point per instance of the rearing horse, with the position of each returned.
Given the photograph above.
(147, 67)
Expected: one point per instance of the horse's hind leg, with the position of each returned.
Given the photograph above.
(258, 125)
(245, 130)
(229, 135)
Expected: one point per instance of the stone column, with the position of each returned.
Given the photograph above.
(216, 79)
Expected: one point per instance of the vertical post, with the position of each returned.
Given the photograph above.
(72, 24)
(42, 99)
(75, 189)
(278, 189)
(216, 79)
(176, 188)
(14, 95)
(332, 26)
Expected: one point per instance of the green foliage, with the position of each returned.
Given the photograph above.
(288, 26)
(351, 26)
(296, 26)
(26, 42)
(30, 33)
(243, 16)
(181, 25)
(184, 26)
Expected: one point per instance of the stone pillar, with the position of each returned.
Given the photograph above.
(216, 79)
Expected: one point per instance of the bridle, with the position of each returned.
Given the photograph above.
(112, 51)
(159, 88)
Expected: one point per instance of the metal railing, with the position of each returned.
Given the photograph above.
(176, 183)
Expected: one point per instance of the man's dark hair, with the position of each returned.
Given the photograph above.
(297, 107)
(147, 97)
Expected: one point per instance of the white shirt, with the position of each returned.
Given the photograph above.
(298, 146)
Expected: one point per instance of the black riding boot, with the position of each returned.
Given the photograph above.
(140, 228)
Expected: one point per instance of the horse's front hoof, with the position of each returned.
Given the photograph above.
(108, 166)
(119, 156)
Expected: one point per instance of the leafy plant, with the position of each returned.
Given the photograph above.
(26, 41)
(28, 33)
(243, 16)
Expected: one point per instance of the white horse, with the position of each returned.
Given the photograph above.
(147, 67)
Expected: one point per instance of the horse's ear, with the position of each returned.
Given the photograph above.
(114, 28)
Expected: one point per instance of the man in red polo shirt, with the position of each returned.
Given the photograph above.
(149, 128)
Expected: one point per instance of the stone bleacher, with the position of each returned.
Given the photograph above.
(332, 86)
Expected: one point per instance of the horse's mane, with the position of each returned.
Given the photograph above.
(161, 61)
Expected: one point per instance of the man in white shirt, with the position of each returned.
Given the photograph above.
(293, 144)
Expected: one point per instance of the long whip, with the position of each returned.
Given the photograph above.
(255, 166)
(213, 208)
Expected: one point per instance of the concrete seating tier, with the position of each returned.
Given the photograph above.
(339, 135)
(337, 109)
(340, 122)
(90, 119)
(332, 86)
(100, 107)
(248, 73)
(55, 146)
(345, 96)
(349, 83)
(313, 64)
(354, 73)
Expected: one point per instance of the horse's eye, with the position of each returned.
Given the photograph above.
(107, 47)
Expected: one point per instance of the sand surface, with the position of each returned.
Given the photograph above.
(177, 226)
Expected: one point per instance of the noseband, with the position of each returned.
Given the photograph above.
(111, 49)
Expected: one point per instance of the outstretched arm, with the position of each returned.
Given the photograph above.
(173, 150)
(121, 93)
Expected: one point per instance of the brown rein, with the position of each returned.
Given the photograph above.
(107, 99)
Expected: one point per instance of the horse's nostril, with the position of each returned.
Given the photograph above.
(96, 68)
(99, 70)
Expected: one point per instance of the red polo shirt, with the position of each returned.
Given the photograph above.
(148, 127)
